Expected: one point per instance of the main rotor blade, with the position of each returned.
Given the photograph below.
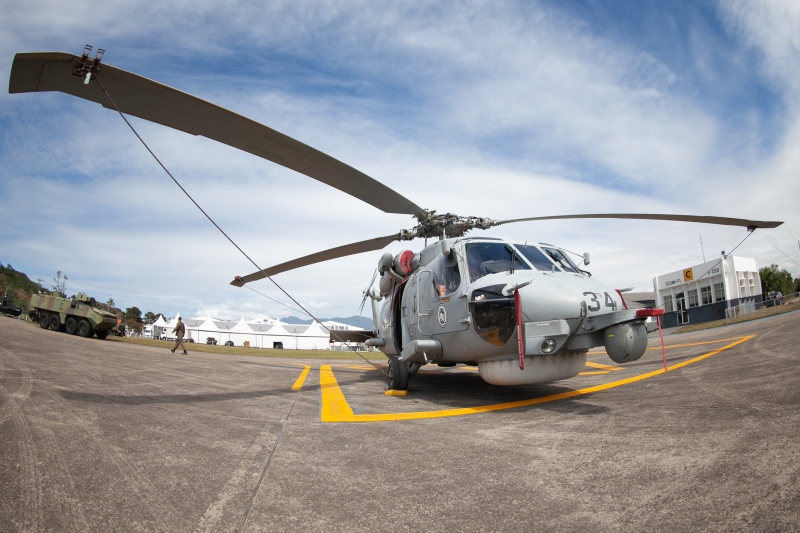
(341, 251)
(677, 218)
(150, 100)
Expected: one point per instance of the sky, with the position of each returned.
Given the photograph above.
(500, 109)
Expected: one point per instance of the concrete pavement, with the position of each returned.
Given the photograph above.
(106, 436)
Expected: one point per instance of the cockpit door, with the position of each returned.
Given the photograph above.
(442, 302)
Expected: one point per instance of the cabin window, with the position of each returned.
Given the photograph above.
(484, 258)
(446, 274)
(536, 257)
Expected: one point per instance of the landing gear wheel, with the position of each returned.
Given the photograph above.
(398, 374)
(44, 320)
(71, 325)
(101, 334)
(55, 322)
(84, 328)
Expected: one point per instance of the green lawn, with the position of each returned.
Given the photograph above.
(260, 352)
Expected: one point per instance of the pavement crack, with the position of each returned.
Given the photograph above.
(266, 466)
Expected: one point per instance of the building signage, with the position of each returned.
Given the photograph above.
(702, 273)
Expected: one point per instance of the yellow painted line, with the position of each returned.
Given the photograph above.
(390, 392)
(594, 373)
(300, 380)
(605, 367)
(678, 345)
(336, 409)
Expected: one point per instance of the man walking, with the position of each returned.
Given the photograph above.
(179, 330)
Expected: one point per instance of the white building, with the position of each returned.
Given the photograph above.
(261, 333)
(702, 293)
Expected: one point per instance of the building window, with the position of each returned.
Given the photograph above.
(705, 295)
(692, 297)
(668, 304)
(719, 292)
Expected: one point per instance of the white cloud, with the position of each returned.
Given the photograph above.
(483, 109)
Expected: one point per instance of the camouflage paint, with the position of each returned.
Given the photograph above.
(79, 307)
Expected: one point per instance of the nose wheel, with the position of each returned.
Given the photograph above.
(398, 374)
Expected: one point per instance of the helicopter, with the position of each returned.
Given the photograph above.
(523, 313)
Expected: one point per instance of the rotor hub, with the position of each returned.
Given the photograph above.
(446, 225)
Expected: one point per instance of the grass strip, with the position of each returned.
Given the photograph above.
(258, 352)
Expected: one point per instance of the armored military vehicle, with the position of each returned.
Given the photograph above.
(76, 316)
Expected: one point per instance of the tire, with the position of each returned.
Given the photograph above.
(84, 328)
(101, 334)
(398, 374)
(55, 322)
(44, 320)
(71, 325)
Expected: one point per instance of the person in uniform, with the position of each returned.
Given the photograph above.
(179, 330)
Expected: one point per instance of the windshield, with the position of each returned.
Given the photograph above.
(484, 258)
(536, 257)
(561, 259)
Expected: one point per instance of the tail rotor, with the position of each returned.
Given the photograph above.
(366, 293)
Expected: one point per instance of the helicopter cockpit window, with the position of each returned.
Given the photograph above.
(560, 259)
(536, 257)
(484, 258)
(446, 274)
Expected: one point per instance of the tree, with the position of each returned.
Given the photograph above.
(60, 284)
(133, 314)
(110, 303)
(775, 278)
(150, 317)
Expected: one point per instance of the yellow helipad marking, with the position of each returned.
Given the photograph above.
(594, 373)
(678, 345)
(604, 367)
(300, 380)
(336, 409)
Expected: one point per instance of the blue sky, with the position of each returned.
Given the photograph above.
(499, 109)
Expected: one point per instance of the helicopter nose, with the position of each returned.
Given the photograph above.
(546, 298)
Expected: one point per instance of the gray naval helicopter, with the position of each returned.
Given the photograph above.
(523, 313)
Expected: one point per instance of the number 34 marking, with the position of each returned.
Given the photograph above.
(594, 303)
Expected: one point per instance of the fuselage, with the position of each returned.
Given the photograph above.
(456, 304)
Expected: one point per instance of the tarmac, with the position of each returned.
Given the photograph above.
(108, 436)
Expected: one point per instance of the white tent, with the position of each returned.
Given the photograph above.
(207, 328)
(260, 334)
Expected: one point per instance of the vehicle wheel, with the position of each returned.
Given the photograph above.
(101, 334)
(44, 320)
(71, 325)
(84, 328)
(55, 322)
(398, 374)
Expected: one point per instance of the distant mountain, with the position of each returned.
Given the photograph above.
(355, 321)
